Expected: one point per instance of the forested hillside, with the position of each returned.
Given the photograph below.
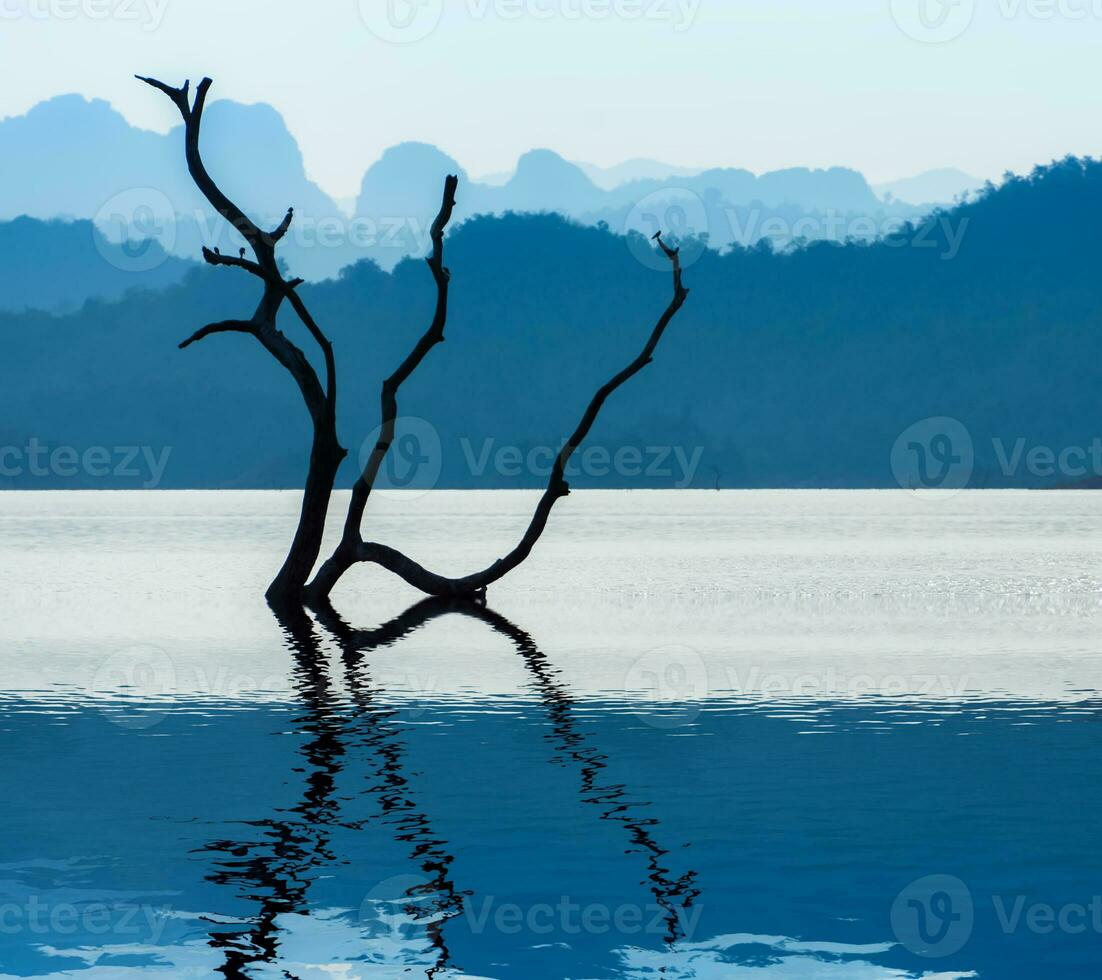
(798, 369)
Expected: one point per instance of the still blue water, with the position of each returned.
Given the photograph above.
(699, 735)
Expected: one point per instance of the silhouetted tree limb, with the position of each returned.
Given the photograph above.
(192, 114)
(214, 257)
(433, 336)
(361, 491)
(286, 289)
(326, 452)
(284, 225)
(290, 585)
(354, 550)
(326, 348)
(224, 326)
(263, 244)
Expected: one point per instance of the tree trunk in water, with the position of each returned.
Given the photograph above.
(290, 586)
(353, 550)
(326, 456)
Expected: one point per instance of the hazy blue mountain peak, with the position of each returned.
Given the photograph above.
(541, 162)
(71, 107)
(407, 179)
(411, 160)
(545, 181)
(62, 120)
(637, 168)
(940, 186)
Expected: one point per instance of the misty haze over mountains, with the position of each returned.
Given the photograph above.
(933, 187)
(133, 184)
(608, 178)
(797, 369)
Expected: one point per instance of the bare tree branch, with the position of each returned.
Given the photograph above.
(389, 399)
(322, 341)
(281, 349)
(292, 358)
(263, 245)
(178, 95)
(351, 541)
(223, 326)
(290, 586)
(215, 257)
(326, 452)
(416, 575)
(284, 226)
(193, 119)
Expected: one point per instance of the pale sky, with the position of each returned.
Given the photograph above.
(889, 87)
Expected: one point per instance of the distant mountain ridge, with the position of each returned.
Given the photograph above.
(805, 369)
(57, 266)
(133, 184)
(729, 206)
(609, 178)
(38, 150)
(943, 186)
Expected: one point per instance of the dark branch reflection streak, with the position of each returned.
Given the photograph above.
(277, 871)
(674, 895)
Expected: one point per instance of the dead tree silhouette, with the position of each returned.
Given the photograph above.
(293, 584)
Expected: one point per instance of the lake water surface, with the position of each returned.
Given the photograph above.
(762, 735)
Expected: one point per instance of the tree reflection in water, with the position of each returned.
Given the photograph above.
(276, 871)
